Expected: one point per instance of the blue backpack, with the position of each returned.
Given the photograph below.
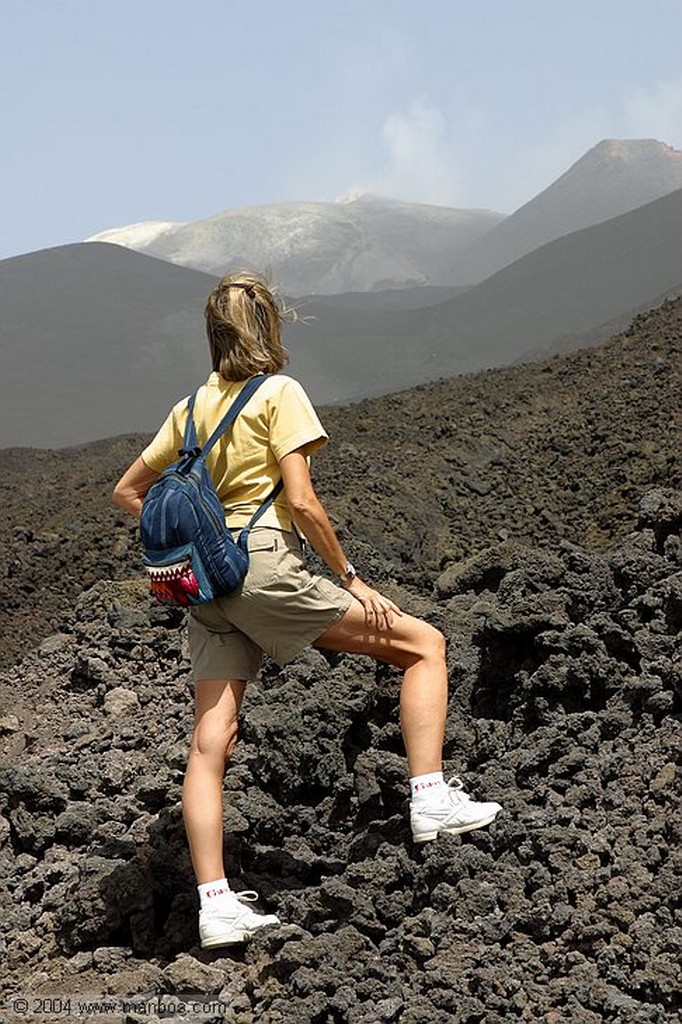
(189, 553)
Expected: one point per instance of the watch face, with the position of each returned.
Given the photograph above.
(349, 575)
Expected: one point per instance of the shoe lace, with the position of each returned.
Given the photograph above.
(456, 788)
(247, 896)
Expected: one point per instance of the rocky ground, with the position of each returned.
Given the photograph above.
(534, 516)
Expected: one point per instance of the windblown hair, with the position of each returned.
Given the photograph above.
(244, 327)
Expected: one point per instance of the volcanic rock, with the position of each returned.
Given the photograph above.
(565, 686)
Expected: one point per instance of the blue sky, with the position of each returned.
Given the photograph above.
(128, 110)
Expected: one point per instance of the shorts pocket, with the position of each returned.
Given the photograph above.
(264, 543)
(264, 556)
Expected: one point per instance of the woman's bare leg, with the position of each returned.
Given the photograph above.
(217, 704)
(419, 649)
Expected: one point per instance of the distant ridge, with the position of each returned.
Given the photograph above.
(616, 176)
(569, 287)
(359, 243)
(104, 339)
(365, 243)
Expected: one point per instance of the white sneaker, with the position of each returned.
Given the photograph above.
(234, 922)
(458, 813)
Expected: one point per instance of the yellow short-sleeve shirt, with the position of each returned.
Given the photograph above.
(244, 463)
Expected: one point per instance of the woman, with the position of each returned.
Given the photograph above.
(282, 607)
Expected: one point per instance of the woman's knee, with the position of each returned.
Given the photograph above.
(431, 642)
(215, 740)
(424, 643)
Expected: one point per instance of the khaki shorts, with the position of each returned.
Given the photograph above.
(280, 608)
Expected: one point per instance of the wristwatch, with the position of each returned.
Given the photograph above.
(349, 575)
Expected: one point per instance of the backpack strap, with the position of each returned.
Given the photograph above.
(230, 416)
(190, 441)
(243, 536)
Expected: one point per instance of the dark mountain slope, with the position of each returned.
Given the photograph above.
(93, 337)
(615, 176)
(103, 340)
(572, 284)
(552, 297)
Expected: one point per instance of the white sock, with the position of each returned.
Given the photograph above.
(213, 894)
(428, 789)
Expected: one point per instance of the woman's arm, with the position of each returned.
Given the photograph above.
(130, 491)
(309, 514)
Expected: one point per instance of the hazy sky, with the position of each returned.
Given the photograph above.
(128, 110)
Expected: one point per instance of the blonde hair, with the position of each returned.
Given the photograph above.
(244, 327)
